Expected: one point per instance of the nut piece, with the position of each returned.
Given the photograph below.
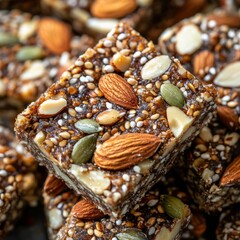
(203, 61)
(229, 76)
(131, 234)
(126, 150)
(86, 210)
(172, 95)
(108, 117)
(169, 234)
(188, 39)
(118, 91)
(178, 121)
(228, 117)
(35, 70)
(51, 107)
(121, 62)
(155, 67)
(83, 149)
(54, 186)
(232, 173)
(97, 181)
(55, 35)
(112, 8)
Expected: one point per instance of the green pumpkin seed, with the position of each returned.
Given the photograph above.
(173, 206)
(172, 95)
(30, 53)
(84, 149)
(131, 234)
(7, 39)
(88, 126)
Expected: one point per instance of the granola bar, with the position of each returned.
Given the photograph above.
(209, 46)
(69, 216)
(229, 224)
(30, 57)
(99, 17)
(18, 181)
(116, 120)
(210, 168)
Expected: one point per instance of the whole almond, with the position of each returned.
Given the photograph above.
(224, 19)
(126, 150)
(55, 35)
(113, 8)
(84, 209)
(117, 90)
(203, 60)
(232, 173)
(54, 186)
(228, 117)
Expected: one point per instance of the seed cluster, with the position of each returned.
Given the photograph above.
(27, 66)
(145, 220)
(212, 151)
(18, 183)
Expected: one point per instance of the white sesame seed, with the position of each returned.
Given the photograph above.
(151, 231)
(78, 109)
(89, 78)
(79, 63)
(108, 68)
(212, 70)
(122, 36)
(126, 177)
(137, 169)
(211, 24)
(124, 188)
(140, 124)
(220, 147)
(119, 222)
(80, 89)
(105, 61)
(73, 80)
(132, 124)
(109, 105)
(143, 60)
(107, 43)
(3, 173)
(65, 116)
(137, 54)
(226, 98)
(205, 156)
(205, 37)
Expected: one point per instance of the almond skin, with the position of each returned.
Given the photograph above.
(55, 35)
(126, 150)
(117, 90)
(112, 8)
(54, 186)
(227, 117)
(84, 209)
(203, 60)
(224, 19)
(232, 173)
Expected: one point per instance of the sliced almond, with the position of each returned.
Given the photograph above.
(126, 150)
(117, 90)
(35, 70)
(232, 173)
(102, 26)
(86, 210)
(95, 180)
(202, 61)
(121, 62)
(51, 107)
(55, 35)
(155, 67)
(27, 29)
(112, 8)
(108, 117)
(54, 186)
(188, 39)
(229, 76)
(39, 138)
(178, 121)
